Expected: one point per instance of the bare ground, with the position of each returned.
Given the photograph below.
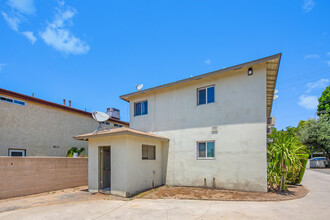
(196, 193)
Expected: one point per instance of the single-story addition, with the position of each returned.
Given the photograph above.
(204, 131)
(117, 163)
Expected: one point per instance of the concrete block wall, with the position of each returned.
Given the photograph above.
(21, 176)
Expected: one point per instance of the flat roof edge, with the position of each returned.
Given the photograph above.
(84, 138)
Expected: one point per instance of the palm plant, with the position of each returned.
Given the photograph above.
(284, 156)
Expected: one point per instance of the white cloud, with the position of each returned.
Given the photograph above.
(30, 36)
(18, 8)
(12, 21)
(308, 102)
(58, 35)
(308, 5)
(320, 84)
(1, 66)
(208, 61)
(312, 56)
(23, 6)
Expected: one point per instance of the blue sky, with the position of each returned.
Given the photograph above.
(93, 52)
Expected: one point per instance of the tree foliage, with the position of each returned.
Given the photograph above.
(324, 103)
(316, 135)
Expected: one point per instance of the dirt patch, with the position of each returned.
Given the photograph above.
(168, 192)
(76, 194)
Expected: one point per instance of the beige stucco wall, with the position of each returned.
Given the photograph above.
(38, 128)
(239, 114)
(129, 173)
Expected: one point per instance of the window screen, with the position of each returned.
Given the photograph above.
(148, 152)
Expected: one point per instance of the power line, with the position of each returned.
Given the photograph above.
(305, 74)
(288, 87)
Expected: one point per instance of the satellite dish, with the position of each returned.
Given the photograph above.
(275, 97)
(139, 87)
(100, 116)
(276, 91)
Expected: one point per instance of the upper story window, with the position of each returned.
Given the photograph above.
(117, 125)
(205, 150)
(140, 108)
(10, 100)
(205, 95)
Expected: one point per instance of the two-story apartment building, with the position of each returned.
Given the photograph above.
(30, 126)
(205, 131)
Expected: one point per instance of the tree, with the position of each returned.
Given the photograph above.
(316, 135)
(324, 103)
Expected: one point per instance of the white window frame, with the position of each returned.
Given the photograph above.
(206, 157)
(202, 88)
(134, 112)
(17, 150)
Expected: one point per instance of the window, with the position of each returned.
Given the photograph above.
(117, 125)
(140, 108)
(10, 100)
(105, 122)
(148, 152)
(205, 95)
(17, 152)
(205, 150)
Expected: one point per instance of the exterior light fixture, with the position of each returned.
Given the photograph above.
(250, 71)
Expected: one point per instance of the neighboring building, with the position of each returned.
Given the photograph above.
(216, 126)
(34, 127)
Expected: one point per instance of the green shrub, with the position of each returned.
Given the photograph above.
(74, 150)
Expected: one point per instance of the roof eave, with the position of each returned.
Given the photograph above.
(239, 66)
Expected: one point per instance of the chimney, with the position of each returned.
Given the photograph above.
(63, 101)
(32, 94)
(69, 103)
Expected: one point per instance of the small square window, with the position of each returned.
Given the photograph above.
(148, 152)
(205, 95)
(205, 150)
(141, 108)
(17, 152)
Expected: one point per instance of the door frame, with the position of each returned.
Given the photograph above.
(100, 166)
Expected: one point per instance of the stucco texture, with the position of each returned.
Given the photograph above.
(38, 128)
(129, 173)
(236, 121)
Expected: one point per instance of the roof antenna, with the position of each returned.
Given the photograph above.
(139, 87)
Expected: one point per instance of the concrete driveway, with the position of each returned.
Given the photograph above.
(315, 205)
